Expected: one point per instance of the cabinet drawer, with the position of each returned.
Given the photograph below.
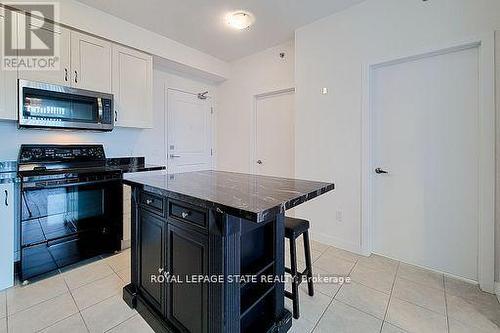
(188, 214)
(153, 202)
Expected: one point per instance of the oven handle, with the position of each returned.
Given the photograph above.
(37, 186)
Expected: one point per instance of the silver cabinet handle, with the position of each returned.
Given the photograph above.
(259, 162)
(66, 74)
(6, 198)
(76, 76)
(149, 201)
(184, 214)
(174, 156)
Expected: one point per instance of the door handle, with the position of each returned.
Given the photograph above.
(380, 171)
(76, 76)
(116, 116)
(66, 74)
(6, 198)
(174, 156)
(259, 162)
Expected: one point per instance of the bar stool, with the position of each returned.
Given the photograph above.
(293, 229)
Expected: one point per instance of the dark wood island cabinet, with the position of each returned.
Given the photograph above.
(208, 250)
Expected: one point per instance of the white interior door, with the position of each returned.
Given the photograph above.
(275, 135)
(425, 127)
(189, 132)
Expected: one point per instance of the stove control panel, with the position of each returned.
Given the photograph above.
(61, 153)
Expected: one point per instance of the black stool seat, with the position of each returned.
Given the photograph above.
(295, 227)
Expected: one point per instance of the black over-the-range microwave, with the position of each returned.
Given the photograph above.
(44, 105)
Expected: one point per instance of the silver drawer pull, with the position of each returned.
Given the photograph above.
(149, 201)
(184, 214)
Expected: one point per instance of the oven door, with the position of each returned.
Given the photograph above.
(61, 225)
(53, 106)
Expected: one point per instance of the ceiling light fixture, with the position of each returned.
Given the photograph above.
(240, 20)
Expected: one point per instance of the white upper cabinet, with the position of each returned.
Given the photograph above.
(84, 62)
(61, 37)
(8, 82)
(90, 63)
(132, 87)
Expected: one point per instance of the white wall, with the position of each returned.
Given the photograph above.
(330, 53)
(121, 141)
(256, 74)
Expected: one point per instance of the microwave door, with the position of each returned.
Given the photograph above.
(44, 105)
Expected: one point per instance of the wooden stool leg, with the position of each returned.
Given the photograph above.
(295, 284)
(307, 250)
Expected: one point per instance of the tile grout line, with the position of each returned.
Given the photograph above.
(41, 302)
(70, 292)
(446, 306)
(6, 313)
(331, 301)
(60, 275)
(79, 312)
(115, 326)
(62, 319)
(88, 307)
(390, 296)
(422, 284)
(93, 281)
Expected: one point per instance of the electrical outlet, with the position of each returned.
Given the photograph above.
(339, 215)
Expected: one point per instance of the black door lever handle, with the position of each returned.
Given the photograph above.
(380, 171)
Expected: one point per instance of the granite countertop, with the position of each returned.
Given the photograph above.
(8, 172)
(252, 197)
(132, 164)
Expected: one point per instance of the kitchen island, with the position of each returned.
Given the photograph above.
(208, 250)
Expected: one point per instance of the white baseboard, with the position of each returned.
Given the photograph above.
(336, 242)
(125, 244)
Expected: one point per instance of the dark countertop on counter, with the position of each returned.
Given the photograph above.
(8, 172)
(252, 197)
(132, 164)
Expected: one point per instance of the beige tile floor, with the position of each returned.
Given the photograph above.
(389, 296)
(384, 296)
(87, 298)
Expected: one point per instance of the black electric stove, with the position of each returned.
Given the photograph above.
(71, 206)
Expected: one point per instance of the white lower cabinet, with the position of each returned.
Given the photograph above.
(7, 218)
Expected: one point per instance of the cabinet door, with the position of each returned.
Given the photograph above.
(62, 74)
(8, 83)
(132, 87)
(90, 63)
(6, 235)
(151, 258)
(187, 302)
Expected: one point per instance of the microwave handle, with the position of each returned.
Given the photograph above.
(99, 109)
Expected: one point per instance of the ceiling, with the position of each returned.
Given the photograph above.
(200, 23)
